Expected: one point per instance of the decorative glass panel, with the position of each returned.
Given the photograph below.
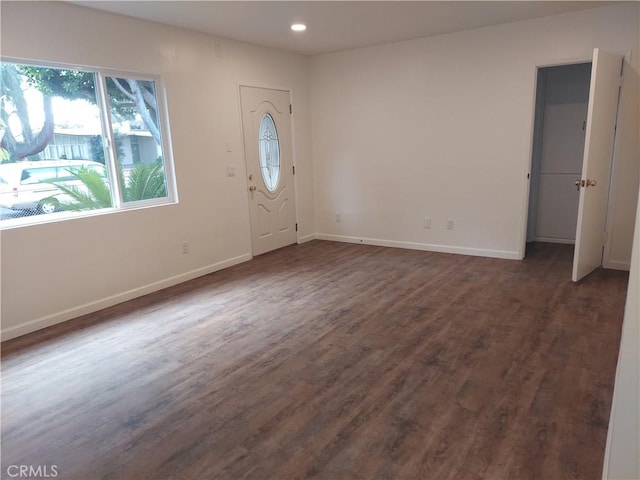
(269, 152)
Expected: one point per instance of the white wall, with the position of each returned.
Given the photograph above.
(441, 127)
(622, 457)
(56, 271)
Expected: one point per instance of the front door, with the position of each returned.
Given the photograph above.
(266, 124)
(606, 75)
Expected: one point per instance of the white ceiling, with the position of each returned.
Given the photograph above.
(334, 25)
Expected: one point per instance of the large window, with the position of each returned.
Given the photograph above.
(80, 140)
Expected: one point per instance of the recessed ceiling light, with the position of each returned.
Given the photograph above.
(298, 27)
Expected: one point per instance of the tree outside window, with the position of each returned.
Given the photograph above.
(60, 114)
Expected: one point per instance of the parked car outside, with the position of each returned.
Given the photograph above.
(28, 186)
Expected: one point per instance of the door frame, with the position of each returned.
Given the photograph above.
(528, 173)
(294, 162)
(606, 254)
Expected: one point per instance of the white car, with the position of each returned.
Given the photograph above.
(28, 186)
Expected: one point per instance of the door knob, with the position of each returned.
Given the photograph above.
(591, 183)
(579, 183)
(252, 188)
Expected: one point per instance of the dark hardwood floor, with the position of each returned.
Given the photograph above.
(329, 361)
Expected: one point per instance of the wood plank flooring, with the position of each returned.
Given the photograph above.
(329, 361)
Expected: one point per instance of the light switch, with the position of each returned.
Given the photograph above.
(227, 146)
(231, 171)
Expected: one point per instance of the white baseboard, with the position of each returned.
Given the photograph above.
(59, 317)
(617, 265)
(569, 241)
(307, 238)
(429, 247)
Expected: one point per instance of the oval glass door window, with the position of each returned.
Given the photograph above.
(269, 152)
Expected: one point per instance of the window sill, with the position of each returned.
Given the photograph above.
(44, 219)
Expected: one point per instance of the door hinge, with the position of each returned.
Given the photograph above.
(290, 108)
(621, 81)
(294, 169)
(296, 227)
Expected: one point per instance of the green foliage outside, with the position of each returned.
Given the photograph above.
(4, 155)
(126, 97)
(97, 150)
(69, 84)
(145, 180)
(94, 195)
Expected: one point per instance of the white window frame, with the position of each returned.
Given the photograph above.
(111, 161)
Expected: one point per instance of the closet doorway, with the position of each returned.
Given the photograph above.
(562, 102)
(560, 129)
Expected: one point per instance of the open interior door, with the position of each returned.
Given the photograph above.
(604, 92)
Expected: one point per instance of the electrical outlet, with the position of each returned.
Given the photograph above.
(427, 222)
(338, 217)
(449, 224)
(185, 248)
